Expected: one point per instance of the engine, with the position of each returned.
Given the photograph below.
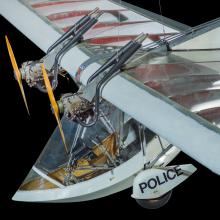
(74, 106)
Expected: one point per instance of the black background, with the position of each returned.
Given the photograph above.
(23, 137)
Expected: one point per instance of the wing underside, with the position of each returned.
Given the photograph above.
(188, 81)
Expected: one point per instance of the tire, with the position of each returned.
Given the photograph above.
(154, 203)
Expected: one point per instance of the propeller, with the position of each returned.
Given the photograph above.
(16, 71)
(53, 104)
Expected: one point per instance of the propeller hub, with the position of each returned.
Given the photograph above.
(32, 73)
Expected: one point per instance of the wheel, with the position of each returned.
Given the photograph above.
(154, 203)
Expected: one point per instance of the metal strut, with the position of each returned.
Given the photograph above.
(116, 62)
(31, 70)
(72, 31)
(167, 43)
(77, 33)
(171, 41)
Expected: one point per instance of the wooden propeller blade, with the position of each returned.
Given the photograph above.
(16, 71)
(53, 104)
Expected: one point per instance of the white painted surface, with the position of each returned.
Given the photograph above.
(168, 121)
(208, 40)
(53, 181)
(32, 26)
(194, 136)
(156, 182)
(108, 183)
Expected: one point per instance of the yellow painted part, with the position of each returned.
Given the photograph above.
(40, 183)
(53, 104)
(110, 142)
(17, 72)
(82, 163)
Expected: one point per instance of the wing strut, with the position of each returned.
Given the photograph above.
(116, 62)
(72, 32)
(77, 37)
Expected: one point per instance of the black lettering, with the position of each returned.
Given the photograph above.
(159, 182)
(154, 181)
(178, 171)
(165, 177)
(171, 177)
(143, 186)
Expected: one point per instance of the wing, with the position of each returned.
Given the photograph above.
(175, 95)
(179, 99)
(45, 21)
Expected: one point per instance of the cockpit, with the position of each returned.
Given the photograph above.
(91, 152)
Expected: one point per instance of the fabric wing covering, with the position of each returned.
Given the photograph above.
(189, 81)
(176, 94)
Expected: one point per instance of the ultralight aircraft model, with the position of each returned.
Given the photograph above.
(149, 88)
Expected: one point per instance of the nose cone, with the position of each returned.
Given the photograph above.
(37, 184)
(36, 195)
(21, 196)
(41, 187)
